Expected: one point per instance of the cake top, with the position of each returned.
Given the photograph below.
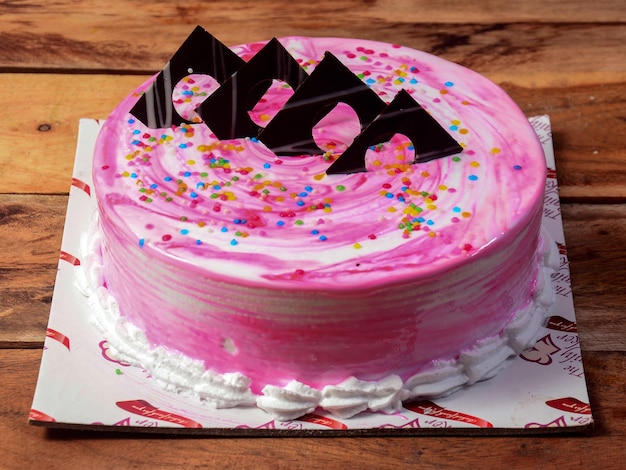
(234, 208)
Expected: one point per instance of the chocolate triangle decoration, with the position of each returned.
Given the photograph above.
(290, 132)
(225, 111)
(402, 116)
(201, 53)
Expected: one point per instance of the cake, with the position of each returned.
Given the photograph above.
(247, 259)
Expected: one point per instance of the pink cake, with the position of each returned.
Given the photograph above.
(242, 277)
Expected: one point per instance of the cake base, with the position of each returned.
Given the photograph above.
(79, 385)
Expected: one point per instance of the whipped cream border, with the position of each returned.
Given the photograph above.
(185, 376)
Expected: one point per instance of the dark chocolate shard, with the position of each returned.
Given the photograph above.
(201, 53)
(290, 132)
(225, 111)
(402, 116)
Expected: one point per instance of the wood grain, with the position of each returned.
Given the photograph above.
(519, 53)
(588, 125)
(337, 14)
(73, 449)
(38, 143)
(596, 245)
(589, 131)
(502, 41)
(30, 229)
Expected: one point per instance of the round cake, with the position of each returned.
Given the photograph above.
(243, 276)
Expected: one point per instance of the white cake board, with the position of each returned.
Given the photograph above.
(542, 390)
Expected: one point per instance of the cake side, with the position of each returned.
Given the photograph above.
(187, 376)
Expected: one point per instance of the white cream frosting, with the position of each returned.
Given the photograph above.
(353, 396)
(289, 402)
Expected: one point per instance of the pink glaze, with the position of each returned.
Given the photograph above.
(268, 267)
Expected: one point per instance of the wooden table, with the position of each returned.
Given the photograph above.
(64, 60)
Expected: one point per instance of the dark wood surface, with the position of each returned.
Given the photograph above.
(63, 60)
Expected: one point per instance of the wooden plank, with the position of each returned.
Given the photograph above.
(25, 445)
(588, 136)
(519, 53)
(92, 20)
(38, 142)
(93, 12)
(31, 227)
(595, 236)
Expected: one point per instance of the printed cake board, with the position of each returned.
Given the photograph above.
(543, 390)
